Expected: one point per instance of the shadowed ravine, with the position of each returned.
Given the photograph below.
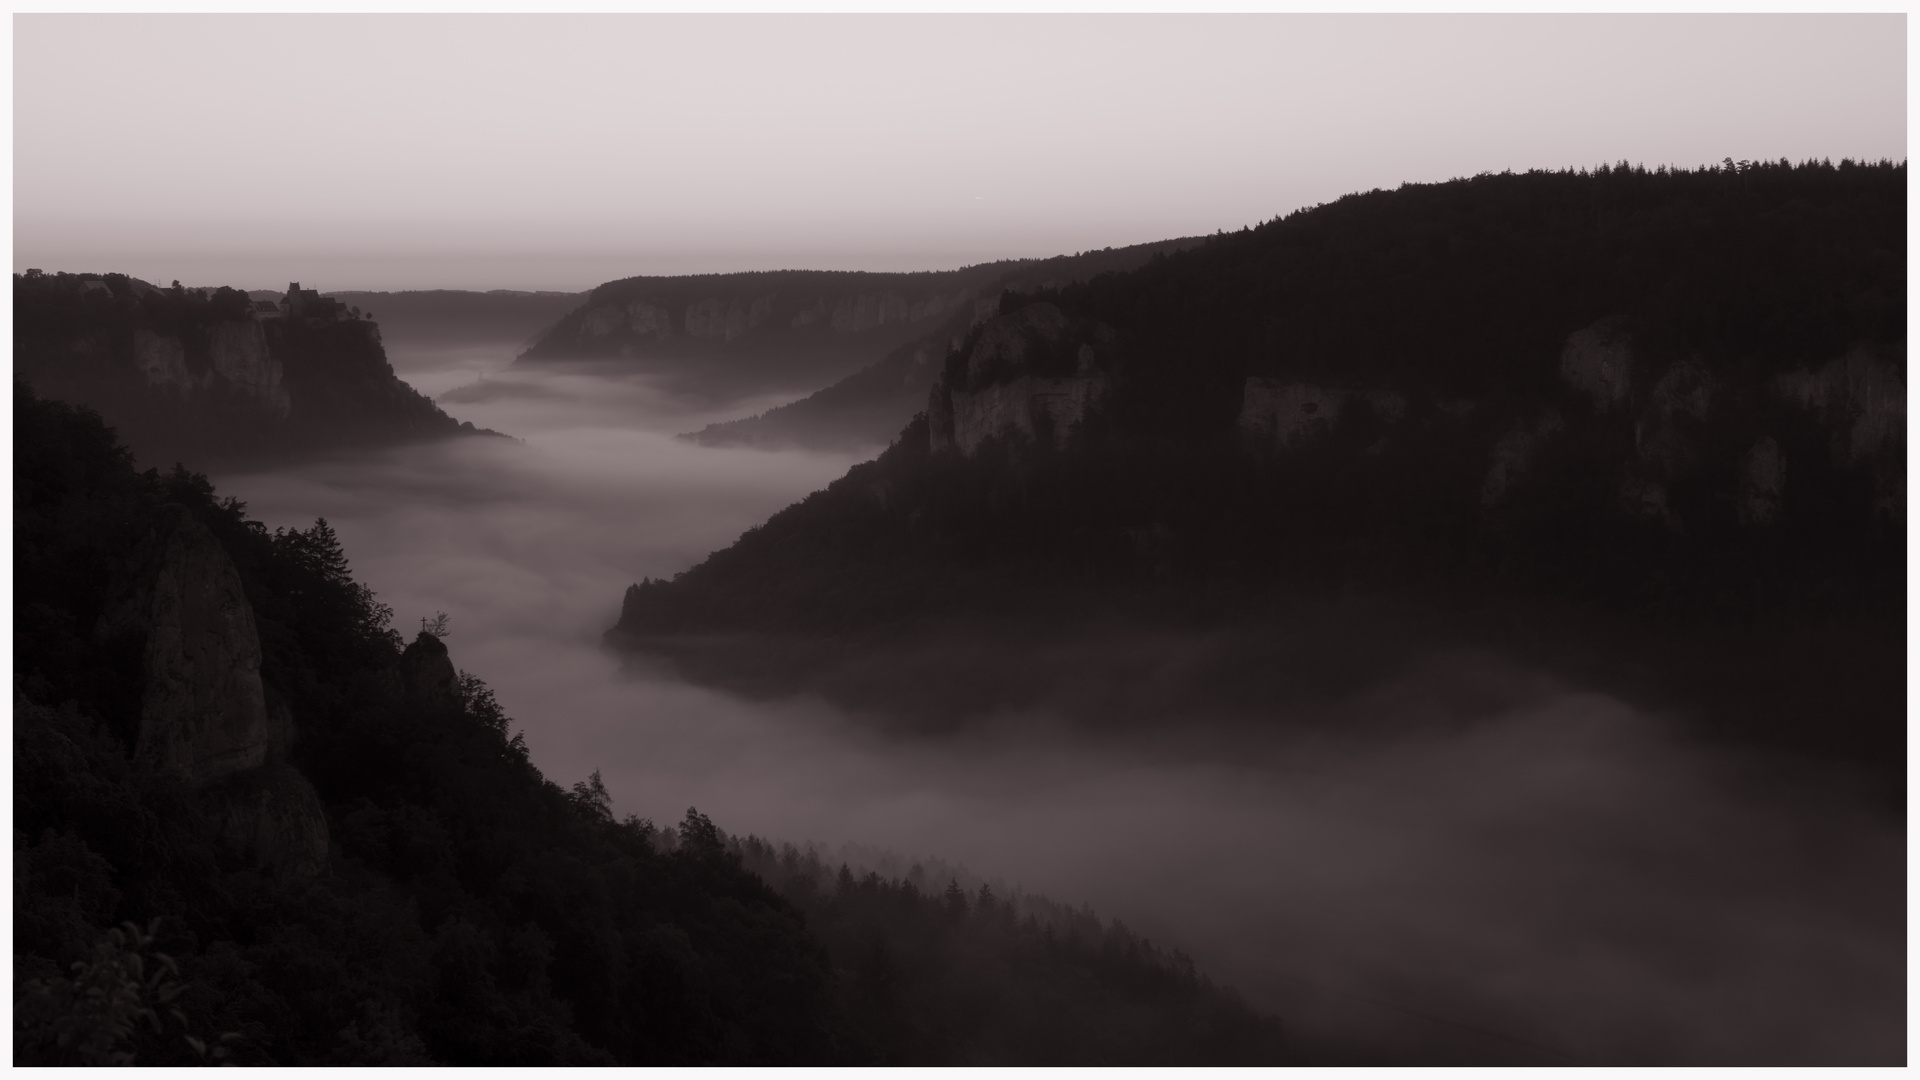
(1494, 865)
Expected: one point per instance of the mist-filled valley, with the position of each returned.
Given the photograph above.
(1461, 624)
(1442, 854)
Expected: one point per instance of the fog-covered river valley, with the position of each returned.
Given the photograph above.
(1560, 880)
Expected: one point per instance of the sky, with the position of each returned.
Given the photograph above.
(537, 152)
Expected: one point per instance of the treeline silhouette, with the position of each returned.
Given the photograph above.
(470, 911)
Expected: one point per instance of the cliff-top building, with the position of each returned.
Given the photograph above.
(309, 304)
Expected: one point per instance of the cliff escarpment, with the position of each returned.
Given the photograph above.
(1671, 400)
(210, 376)
(723, 336)
(868, 407)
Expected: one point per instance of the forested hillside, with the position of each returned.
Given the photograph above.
(325, 845)
(1663, 407)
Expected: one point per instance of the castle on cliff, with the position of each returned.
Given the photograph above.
(301, 304)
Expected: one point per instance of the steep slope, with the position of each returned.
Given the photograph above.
(1663, 411)
(212, 377)
(868, 407)
(329, 849)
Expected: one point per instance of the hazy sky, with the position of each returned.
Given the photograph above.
(557, 152)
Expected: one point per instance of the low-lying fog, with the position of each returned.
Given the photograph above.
(1559, 881)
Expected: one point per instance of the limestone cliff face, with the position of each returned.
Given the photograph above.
(241, 357)
(1599, 362)
(204, 717)
(1864, 398)
(1004, 391)
(210, 378)
(1679, 416)
(203, 711)
(241, 362)
(1026, 407)
(162, 361)
(597, 322)
(724, 319)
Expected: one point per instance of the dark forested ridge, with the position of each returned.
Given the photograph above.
(211, 376)
(723, 336)
(324, 845)
(1662, 412)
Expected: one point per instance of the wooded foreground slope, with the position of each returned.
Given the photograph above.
(329, 848)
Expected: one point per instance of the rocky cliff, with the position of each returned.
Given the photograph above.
(737, 334)
(203, 712)
(180, 610)
(210, 376)
(1691, 423)
(732, 335)
(1028, 375)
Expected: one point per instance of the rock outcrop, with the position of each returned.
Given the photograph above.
(1027, 408)
(182, 611)
(162, 361)
(1865, 395)
(1275, 413)
(1599, 362)
(1683, 397)
(1763, 476)
(211, 378)
(1009, 384)
(270, 817)
(427, 673)
(1514, 452)
(241, 357)
(203, 711)
(241, 363)
(726, 320)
